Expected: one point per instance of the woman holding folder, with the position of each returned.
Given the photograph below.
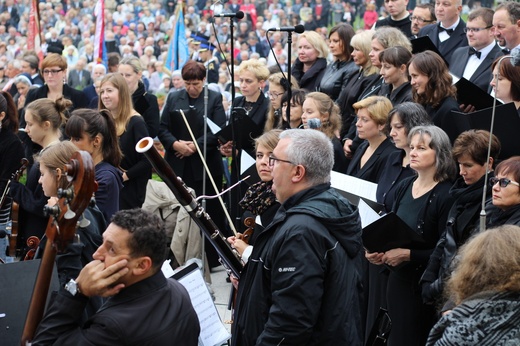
(422, 202)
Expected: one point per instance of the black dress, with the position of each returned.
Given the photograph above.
(427, 214)
(138, 169)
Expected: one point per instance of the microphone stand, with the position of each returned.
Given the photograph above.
(235, 166)
(484, 190)
(289, 88)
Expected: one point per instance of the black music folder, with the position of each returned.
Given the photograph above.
(507, 123)
(470, 94)
(390, 232)
(425, 43)
(246, 130)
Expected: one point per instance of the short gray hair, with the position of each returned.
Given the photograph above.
(313, 150)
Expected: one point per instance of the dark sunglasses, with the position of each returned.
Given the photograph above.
(503, 182)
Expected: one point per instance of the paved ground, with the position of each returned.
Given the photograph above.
(222, 290)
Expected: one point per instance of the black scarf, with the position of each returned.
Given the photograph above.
(258, 198)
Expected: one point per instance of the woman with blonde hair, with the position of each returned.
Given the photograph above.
(144, 102)
(114, 95)
(320, 106)
(486, 287)
(278, 85)
(358, 81)
(309, 67)
(370, 158)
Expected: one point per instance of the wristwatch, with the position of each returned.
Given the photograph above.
(72, 287)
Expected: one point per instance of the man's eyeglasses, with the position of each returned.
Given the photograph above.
(475, 30)
(274, 95)
(52, 72)
(273, 159)
(503, 182)
(420, 20)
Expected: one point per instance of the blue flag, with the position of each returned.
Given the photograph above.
(178, 52)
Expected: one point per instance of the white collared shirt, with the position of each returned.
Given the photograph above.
(443, 35)
(474, 62)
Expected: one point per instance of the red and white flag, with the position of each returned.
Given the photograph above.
(33, 33)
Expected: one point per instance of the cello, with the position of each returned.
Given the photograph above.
(60, 231)
(14, 208)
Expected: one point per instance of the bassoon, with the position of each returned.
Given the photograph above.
(228, 256)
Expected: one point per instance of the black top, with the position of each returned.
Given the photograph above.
(311, 79)
(335, 77)
(146, 105)
(373, 168)
(394, 173)
(405, 24)
(441, 116)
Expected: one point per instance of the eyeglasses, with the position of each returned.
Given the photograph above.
(503, 182)
(475, 30)
(273, 159)
(420, 20)
(274, 95)
(52, 72)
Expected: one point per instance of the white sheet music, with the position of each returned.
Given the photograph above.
(212, 331)
(366, 214)
(353, 185)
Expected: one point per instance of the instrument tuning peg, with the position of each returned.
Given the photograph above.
(84, 223)
(69, 214)
(92, 202)
(77, 239)
(51, 211)
(66, 193)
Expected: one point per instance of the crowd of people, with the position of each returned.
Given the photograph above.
(360, 101)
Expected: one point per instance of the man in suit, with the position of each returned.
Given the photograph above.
(126, 268)
(448, 34)
(30, 64)
(474, 62)
(255, 46)
(507, 24)
(422, 15)
(79, 78)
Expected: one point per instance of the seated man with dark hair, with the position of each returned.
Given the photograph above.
(144, 307)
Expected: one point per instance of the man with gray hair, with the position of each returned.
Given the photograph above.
(301, 285)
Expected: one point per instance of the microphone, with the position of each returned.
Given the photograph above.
(238, 15)
(515, 56)
(314, 123)
(297, 29)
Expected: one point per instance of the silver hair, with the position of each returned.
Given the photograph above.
(445, 168)
(313, 150)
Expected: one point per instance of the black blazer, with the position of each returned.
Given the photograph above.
(258, 114)
(311, 79)
(457, 39)
(169, 133)
(483, 74)
(373, 168)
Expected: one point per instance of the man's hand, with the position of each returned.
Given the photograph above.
(96, 280)
(183, 149)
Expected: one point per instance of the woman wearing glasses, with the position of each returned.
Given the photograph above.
(505, 207)
(54, 69)
(277, 88)
(470, 152)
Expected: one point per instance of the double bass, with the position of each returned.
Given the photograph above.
(61, 230)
